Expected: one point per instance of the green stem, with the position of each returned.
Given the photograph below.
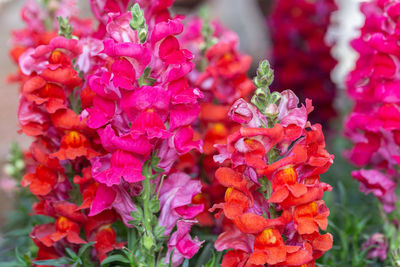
(147, 216)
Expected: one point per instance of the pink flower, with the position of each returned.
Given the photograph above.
(243, 112)
(379, 184)
(373, 124)
(181, 244)
(377, 246)
(123, 165)
(176, 200)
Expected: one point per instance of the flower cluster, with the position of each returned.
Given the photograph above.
(110, 112)
(126, 117)
(271, 169)
(372, 125)
(221, 75)
(61, 152)
(298, 29)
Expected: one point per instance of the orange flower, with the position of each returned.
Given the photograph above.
(309, 216)
(268, 248)
(250, 223)
(255, 156)
(230, 178)
(285, 183)
(236, 203)
(73, 145)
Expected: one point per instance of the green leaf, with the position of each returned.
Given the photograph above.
(71, 253)
(137, 216)
(158, 169)
(85, 247)
(114, 258)
(170, 258)
(154, 205)
(56, 262)
(185, 263)
(159, 232)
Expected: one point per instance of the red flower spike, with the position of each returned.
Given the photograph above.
(296, 189)
(74, 145)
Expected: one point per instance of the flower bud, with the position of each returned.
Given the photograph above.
(271, 110)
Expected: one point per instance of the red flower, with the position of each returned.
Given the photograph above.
(105, 242)
(40, 92)
(66, 228)
(42, 181)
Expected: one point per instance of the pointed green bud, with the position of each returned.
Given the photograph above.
(138, 22)
(64, 27)
(265, 75)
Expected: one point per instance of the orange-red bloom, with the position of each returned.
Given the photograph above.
(73, 145)
(42, 181)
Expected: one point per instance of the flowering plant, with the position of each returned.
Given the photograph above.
(142, 130)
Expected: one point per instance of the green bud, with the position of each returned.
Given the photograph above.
(148, 241)
(271, 110)
(265, 75)
(138, 22)
(142, 34)
(64, 27)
